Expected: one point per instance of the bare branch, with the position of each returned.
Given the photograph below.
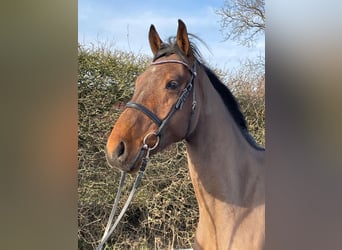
(244, 20)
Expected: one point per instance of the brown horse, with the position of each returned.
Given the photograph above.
(178, 98)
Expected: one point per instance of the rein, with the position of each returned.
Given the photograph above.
(145, 149)
(109, 230)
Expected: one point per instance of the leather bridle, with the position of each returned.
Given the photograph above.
(144, 154)
(177, 106)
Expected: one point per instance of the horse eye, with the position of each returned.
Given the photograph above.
(173, 85)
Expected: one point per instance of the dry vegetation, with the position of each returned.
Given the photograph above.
(164, 213)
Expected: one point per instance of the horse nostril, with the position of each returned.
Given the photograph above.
(120, 149)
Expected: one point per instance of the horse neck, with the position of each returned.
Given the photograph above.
(219, 156)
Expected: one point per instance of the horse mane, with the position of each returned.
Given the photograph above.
(226, 95)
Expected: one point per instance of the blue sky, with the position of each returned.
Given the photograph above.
(124, 24)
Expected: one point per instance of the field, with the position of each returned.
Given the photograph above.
(164, 212)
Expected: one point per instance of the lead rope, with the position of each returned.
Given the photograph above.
(136, 184)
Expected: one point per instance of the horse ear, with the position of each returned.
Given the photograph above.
(182, 38)
(154, 40)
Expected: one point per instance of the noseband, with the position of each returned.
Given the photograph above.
(177, 106)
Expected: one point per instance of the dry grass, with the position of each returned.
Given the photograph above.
(164, 212)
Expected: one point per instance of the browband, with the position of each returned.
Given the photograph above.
(173, 61)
